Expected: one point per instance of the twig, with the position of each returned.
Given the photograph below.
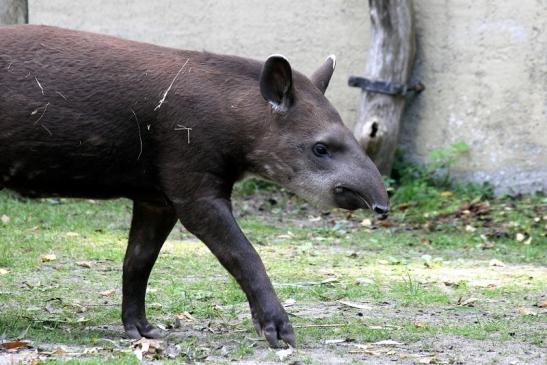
(162, 100)
(321, 325)
(39, 85)
(139, 129)
(46, 128)
(180, 127)
(61, 95)
(326, 325)
(41, 115)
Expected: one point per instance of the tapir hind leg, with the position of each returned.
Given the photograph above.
(150, 226)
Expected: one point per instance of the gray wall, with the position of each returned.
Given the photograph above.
(484, 64)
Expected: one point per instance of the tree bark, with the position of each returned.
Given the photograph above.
(13, 12)
(390, 59)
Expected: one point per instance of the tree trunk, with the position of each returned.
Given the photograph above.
(390, 59)
(13, 12)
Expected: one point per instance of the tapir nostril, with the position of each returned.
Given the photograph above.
(380, 209)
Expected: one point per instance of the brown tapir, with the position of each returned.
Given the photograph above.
(93, 116)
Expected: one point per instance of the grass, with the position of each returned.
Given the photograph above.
(405, 279)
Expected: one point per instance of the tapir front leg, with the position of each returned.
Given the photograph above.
(150, 226)
(211, 220)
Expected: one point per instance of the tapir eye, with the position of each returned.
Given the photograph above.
(320, 150)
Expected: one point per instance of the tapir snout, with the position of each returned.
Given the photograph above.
(315, 154)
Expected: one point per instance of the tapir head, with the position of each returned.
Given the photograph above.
(306, 147)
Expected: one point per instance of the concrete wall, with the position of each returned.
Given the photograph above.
(484, 64)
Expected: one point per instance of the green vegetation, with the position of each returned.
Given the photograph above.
(450, 262)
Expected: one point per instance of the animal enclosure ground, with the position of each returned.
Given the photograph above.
(454, 280)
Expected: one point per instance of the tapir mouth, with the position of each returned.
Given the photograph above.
(350, 199)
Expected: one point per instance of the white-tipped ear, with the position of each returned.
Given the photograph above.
(333, 58)
(321, 77)
(276, 82)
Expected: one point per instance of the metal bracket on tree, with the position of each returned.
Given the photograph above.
(384, 87)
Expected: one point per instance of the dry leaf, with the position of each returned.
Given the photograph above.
(3, 271)
(10, 345)
(49, 257)
(387, 343)
(283, 354)
(146, 346)
(468, 302)
(495, 262)
(5, 219)
(289, 302)
(364, 281)
(86, 264)
(542, 304)
(107, 293)
(428, 360)
(420, 324)
(335, 341)
(523, 311)
(470, 228)
(366, 222)
(355, 305)
(186, 316)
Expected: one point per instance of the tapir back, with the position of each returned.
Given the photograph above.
(80, 113)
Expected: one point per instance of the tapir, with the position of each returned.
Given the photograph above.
(93, 116)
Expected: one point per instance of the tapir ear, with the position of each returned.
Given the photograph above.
(322, 75)
(276, 82)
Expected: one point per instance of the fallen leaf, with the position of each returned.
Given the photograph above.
(387, 343)
(107, 293)
(386, 223)
(146, 346)
(86, 264)
(59, 351)
(5, 219)
(470, 228)
(49, 257)
(355, 305)
(335, 341)
(420, 324)
(468, 302)
(186, 316)
(364, 281)
(3, 271)
(10, 345)
(289, 302)
(283, 354)
(488, 245)
(403, 206)
(428, 360)
(523, 311)
(366, 222)
(542, 304)
(495, 262)
(520, 237)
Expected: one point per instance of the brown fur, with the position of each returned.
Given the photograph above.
(87, 115)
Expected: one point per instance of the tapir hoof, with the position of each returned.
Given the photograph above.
(142, 328)
(276, 328)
